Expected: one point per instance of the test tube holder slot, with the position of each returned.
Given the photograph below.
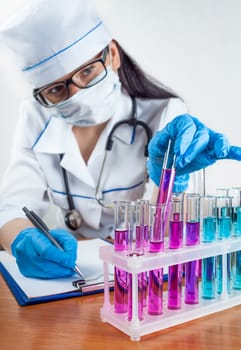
(169, 318)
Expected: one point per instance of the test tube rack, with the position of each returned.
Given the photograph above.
(136, 328)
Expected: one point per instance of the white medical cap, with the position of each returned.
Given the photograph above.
(50, 38)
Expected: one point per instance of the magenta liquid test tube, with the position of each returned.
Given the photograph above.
(167, 175)
(167, 180)
(145, 204)
(136, 246)
(156, 245)
(121, 244)
(192, 238)
(175, 242)
(176, 221)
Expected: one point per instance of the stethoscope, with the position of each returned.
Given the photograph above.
(72, 217)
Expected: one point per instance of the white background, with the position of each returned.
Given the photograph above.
(192, 46)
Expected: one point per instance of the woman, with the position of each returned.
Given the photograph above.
(83, 84)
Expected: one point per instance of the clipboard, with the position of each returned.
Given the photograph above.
(29, 291)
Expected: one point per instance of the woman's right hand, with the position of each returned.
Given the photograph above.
(37, 257)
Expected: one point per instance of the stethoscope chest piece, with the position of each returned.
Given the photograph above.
(73, 219)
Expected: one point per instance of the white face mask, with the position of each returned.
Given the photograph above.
(91, 106)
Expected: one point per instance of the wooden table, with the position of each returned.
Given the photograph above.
(75, 324)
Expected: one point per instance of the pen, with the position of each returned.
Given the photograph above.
(37, 222)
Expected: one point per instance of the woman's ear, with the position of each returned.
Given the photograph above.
(114, 56)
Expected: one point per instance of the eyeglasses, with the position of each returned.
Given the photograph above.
(83, 77)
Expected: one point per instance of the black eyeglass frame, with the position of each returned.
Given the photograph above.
(37, 92)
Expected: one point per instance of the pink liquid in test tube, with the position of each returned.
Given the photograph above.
(156, 245)
(192, 233)
(191, 282)
(120, 276)
(155, 296)
(175, 272)
(175, 286)
(192, 238)
(176, 233)
(166, 182)
(138, 250)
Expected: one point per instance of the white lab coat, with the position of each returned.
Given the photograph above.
(34, 177)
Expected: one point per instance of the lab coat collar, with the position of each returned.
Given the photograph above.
(53, 137)
(57, 138)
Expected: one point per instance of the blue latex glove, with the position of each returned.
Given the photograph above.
(195, 146)
(37, 257)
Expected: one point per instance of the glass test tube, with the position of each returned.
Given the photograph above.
(121, 244)
(209, 215)
(167, 175)
(156, 245)
(167, 179)
(224, 222)
(235, 192)
(145, 204)
(175, 242)
(192, 238)
(136, 246)
(176, 221)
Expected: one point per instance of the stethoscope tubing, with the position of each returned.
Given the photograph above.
(134, 122)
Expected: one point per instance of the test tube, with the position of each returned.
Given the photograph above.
(121, 233)
(209, 207)
(224, 215)
(167, 180)
(156, 245)
(176, 221)
(167, 175)
(145, 204)
(175, 242)
(209, 278)
(235, 192)
(136, 246)
(224, 221)
(209, 214)
(192, 238)
(193, 219)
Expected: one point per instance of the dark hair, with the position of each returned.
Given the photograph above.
(137, 83)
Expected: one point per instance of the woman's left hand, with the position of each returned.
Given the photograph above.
(195, 145)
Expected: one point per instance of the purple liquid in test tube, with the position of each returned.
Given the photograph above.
(192, 238)
(191, 282)
(192, 233)
(166, 184)
(166, 181)
(175, 272)
(175, 286)
(155, 295)
(136, 248)
(176, 233)
(120, 276)
(156, 245)
(121, 245)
